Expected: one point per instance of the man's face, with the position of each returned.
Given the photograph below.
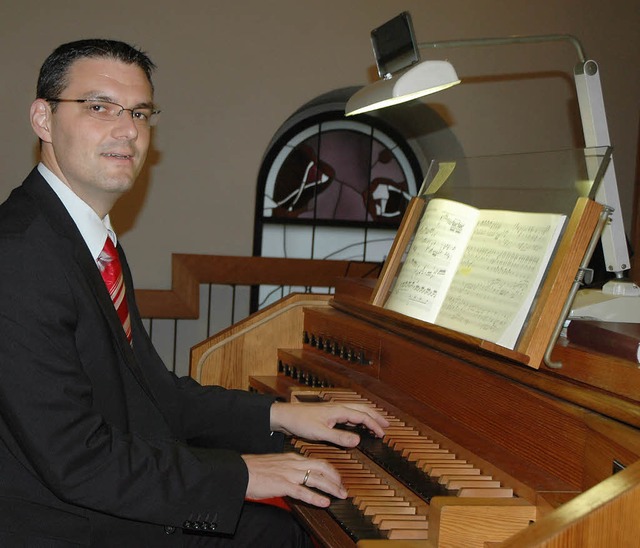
(98, 160)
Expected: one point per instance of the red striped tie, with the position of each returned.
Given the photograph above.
(111, 270)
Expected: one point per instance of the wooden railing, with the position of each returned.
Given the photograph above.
(175, 319)
(188, 272)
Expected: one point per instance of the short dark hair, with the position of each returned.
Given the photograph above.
(54, 71)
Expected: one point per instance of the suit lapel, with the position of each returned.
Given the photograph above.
(73, 245)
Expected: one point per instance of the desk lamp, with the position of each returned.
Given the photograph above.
(404, 77)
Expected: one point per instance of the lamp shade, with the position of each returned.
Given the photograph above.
(419, 80)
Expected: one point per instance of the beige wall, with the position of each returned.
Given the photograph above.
(231, 72)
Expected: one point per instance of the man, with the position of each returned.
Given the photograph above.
(99, 444)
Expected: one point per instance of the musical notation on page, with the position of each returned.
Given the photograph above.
(475, 271)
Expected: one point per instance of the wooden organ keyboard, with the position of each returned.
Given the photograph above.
(390, 482)
(481, 451)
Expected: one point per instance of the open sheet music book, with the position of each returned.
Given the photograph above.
(475, 271)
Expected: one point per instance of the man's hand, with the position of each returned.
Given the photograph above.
(316, 421)
(292, 475)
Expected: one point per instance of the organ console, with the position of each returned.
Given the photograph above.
(482, 451)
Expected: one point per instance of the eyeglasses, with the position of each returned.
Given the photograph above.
(108, 111)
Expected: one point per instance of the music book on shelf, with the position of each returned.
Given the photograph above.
(491, 257)
(475, 271)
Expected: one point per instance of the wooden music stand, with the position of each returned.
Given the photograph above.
(551, 305)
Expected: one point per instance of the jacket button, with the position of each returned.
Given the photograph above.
(169, 530)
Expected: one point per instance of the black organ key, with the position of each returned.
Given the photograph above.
(400, 468)
(353, 521)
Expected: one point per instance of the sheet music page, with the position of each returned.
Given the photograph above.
(499, 274)
(433, 258)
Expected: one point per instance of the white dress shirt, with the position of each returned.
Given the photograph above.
(94, 230)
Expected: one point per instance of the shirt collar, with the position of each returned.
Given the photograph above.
(93, 229)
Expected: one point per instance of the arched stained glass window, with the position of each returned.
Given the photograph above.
(339, 170)
(332, 187)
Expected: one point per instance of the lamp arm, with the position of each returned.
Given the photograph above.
(474, 42)
(596, 134)
(595, 130)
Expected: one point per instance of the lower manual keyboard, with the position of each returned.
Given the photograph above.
(391, 481)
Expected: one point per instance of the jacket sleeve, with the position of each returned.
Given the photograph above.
(204, 416)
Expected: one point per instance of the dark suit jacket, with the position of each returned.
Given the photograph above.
(99, 444)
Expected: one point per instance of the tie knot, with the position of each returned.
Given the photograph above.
(107, 255)
(109, 249)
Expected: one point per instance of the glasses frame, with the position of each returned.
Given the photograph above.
(151, 121)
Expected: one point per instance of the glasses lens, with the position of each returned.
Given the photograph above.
(103, 110)
(143, 116)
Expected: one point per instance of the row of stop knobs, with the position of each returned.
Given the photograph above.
(334, 348)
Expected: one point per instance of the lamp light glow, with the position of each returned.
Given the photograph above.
(417, 81)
